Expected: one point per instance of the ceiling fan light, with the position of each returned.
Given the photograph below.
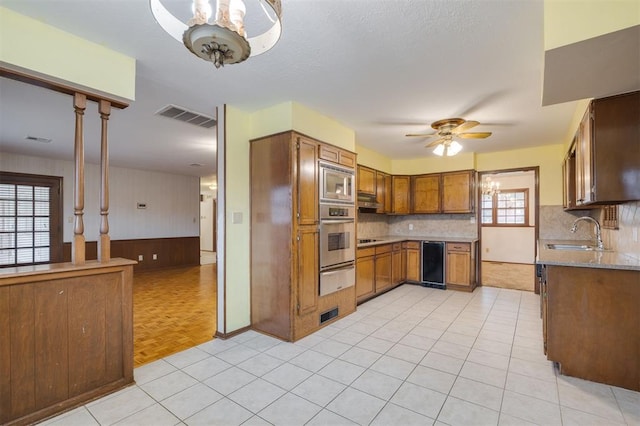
(439, 150)
(454, 148)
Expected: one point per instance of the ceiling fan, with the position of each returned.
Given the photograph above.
(446, 130)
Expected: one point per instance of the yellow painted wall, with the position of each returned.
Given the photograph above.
(548, 158)
(321, 127)
(417, 166)
(275, 119)
(33, 45)
(370, 158)
(237, 236)
(570, 21)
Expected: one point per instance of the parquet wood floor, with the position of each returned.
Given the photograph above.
(173, 309)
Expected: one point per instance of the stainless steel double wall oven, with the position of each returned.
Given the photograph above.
(337, 228)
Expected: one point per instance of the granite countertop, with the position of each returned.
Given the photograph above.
(607, 259)
(387, 239)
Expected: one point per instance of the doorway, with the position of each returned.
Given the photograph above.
(208, 207)
(508, 225)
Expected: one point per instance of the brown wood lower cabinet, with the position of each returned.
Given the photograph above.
(67, 337)
(461, 266)
(365, 273)
(383, 267)
(591, 320)
(378, 269)
(413, 260)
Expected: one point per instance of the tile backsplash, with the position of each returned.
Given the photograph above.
(554, 225)
(437, 225)
(626, 239)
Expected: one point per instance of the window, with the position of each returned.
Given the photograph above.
(30, 219)
(506, 208)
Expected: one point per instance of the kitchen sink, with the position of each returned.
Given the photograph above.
(579, 247)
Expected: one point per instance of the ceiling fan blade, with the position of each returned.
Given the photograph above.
(434, 143)
(421, 135)
(464, 126)
(474, 135)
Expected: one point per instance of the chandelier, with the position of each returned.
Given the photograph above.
(490, 187)
(448, 147)
(222, 40)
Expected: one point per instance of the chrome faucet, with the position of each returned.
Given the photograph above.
(599, 242)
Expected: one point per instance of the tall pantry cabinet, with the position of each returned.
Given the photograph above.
(285, 298)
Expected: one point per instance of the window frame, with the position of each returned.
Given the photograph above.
(494, 209)
(56, 213)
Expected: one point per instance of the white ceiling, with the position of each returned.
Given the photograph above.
(381, 67)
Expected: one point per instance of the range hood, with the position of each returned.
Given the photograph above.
(368, 203)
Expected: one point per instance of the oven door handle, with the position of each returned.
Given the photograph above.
(339, 269)
(336, 221)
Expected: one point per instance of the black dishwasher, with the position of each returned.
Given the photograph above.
(433, 264)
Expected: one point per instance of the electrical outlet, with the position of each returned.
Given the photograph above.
(411, 227)
(140, 258)
(635, 234)
(155, 256)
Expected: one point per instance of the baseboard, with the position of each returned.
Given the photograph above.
(225, 336)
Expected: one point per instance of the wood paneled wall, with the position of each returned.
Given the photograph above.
(171, 252)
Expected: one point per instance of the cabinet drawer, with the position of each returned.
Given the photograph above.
(411, 245)
(397, 246)
(459, 247)
(347, 159)
(385, 248)
(365, 252)
(329, 153)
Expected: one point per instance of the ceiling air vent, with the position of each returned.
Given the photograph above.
(186, 116)
(38, 139)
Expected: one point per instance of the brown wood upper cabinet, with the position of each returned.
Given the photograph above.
(337, 155)
(401, 192)
(366, 180)
(450, 192)
(383, 192)
(607, 151)
(458, 192)
(426, 193)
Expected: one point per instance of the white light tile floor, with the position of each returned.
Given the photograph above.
(413, 356)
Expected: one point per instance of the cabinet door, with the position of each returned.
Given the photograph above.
(381, 191)
(584, 160)
(383, 271)
(308, 271)
(366, 180)
(426, 193)
(365, 276)
(401, 194)
(347, 159)
(458, 267)
(396, 265)
(388, 194)
(457, 192)
(413, 265)
(307, 156)
(569, 179)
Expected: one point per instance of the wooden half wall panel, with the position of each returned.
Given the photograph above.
(170, 252)
(518, 276)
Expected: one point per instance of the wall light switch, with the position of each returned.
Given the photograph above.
(472, 219)
(140, 258)
(236, 218)
(411, 227)
(155, 256)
